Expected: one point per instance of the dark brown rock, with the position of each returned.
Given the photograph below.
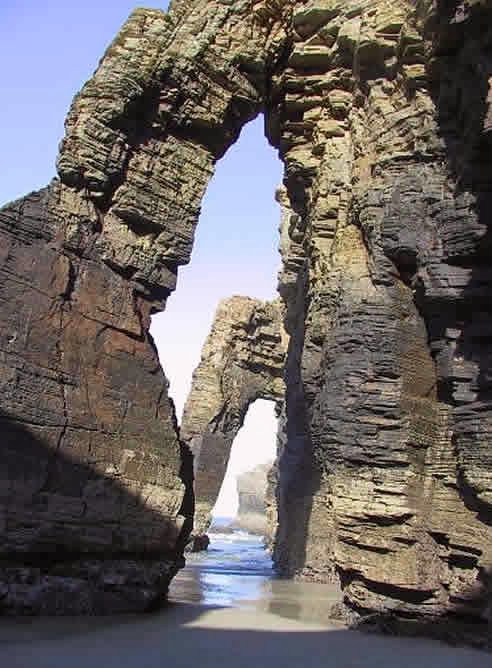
(198, 543)
(381, 113)
(93, 505)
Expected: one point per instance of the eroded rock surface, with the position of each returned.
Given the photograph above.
(251, 490)
(96, 488)
(381, 113)
(385, 474)
(242, 360)
(93, 507)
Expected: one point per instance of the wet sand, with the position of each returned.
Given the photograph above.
(186, 635)
(228, 610)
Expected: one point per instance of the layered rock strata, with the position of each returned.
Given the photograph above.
(251, 491)
(95, 486)
(381, 113)
(385, 476)
(242, 360)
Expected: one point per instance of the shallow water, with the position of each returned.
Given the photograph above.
(230, 610)
(236, 571)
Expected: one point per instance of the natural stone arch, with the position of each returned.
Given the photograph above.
(92, 462)
(381, 112)
(170, 96)
(242, 360)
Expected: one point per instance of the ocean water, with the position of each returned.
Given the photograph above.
(236, 571)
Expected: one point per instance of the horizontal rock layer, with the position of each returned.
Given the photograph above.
(96, 489)
(242, 360)
(381, 113)
(384, 475)
(93, 508)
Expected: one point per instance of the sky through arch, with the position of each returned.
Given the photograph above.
(258, 434)
(235, 253)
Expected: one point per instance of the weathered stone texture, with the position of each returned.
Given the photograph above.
(252, 508)
(96, 494)
(251, 488)
(381, 113)
(242, 360)
(384, 474)
(91, 494)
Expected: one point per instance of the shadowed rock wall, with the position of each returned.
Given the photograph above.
(242, 360)
(381, 113)
(96, 498)
(94, 504)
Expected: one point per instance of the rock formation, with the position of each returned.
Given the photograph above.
(251, 490)
(385, 479)
(242, 360)
(251, 487)
(93, 507)
(381, 113)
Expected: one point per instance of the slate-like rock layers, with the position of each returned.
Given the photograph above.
(386, 463)
(93, 507)
(381, 114)
(242, 360)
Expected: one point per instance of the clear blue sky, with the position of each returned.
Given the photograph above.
(48, 49)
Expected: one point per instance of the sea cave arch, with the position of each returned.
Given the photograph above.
(247, 492)
(92, 460)
(381, 115)
(242, 360)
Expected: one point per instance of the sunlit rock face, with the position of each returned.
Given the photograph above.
(242, 360)
(251, 491)
(381, 113)
(385, 478)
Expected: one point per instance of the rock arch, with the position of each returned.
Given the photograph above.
(381, 115)
(242, 360)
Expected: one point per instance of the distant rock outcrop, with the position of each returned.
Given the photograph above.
(251, 489)
(242, 360)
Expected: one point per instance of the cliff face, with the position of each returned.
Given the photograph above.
(242, 360)
(385, 476)
(96, 498)
(251, 490)
(381, 113)
(93, 507)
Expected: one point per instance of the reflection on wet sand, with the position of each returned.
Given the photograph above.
(233, 612)
(305, 601)
(237, 572)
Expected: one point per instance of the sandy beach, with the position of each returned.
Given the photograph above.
(185, 635)
(226, 609)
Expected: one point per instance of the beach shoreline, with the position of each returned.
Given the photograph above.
(198, 635)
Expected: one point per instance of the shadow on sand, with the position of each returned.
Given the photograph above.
(186, 635)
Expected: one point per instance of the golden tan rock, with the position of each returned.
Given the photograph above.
(242, 360)
(381, 114)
